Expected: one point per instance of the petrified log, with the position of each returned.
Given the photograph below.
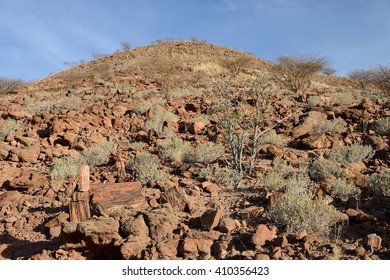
(79, 211)
(84, 178)
(119, 194)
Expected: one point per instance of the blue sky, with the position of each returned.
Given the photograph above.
(38, 36)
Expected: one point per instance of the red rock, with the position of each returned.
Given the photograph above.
(227, 225)
(135, 248)
(210, 219)
(26, 141)
(280, 241)
(168, 249)
(29, 154)
(211, 188)
(312, 118)
(262, 257)
(262, 235)
(276, 253)
(192, 248)
(197, 127)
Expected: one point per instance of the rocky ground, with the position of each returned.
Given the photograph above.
(196, 212)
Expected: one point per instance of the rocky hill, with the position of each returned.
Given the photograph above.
(231, 164)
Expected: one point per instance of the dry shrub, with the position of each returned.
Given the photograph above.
(361, 78)
(382, 126)
(176, 150)
(351, 153)
(159, 117)
(206, 153)
(297, 210)
(99, 154)
(322, 169)
(9, 85)
(331, 126)
(146, 168)
(379, 183)
(344, 190)
(8, 127)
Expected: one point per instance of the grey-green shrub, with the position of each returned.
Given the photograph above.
(350, 154)
(66, 168)
(146, 168)
(344, 190)
(296, 210)
(331, 126)
(380, 183)
(322, 169)
(271, 138)
(205, 153)
(8, 127)
(99, 154)
(159, 117)
(176, 150)
(382, 125)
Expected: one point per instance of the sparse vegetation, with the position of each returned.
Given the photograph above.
(296, 72)
(206, 153)
(361, 77)
(159, 117)
(8, 127)
(175, 150)
(237, 118)
(322, 169)
(296, 210)
(382, 126)
(271, 138)
(379, 183)
(331, 126)
(64, 169)
(344, 190)
(350, 154)
(143, 106)
(99, 154)
(9, 85)
(146, 168)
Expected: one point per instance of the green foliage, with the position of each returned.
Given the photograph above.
(380, 183)
(8, 127)
(146, 168)
(159, 117)
(271, 138)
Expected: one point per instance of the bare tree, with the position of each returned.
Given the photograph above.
(296, 72)
(381, 78)
(362, 77)
(126, 46)
(328, 71)
(9, 85)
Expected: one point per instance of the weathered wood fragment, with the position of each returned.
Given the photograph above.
(79, 211)
(119, 194)
(84, 178)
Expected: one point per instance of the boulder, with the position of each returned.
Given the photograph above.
(210, 219)
(262, 235)
(135, 248)
(306, 128)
